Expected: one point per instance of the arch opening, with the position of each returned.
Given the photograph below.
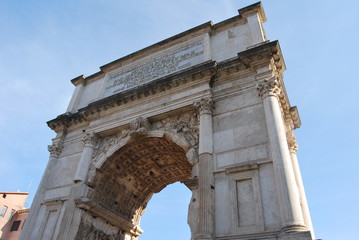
(128, 178)
(169, 208)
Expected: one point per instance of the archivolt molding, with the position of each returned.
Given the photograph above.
(182, 129)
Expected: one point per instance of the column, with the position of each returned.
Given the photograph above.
(205, 175)
(55, 151)
(90, 139)
(288, 195)
(293, 147)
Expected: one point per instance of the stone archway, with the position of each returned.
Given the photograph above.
(236, 151)
(132, 165)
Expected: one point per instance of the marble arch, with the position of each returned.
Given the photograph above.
(207, 107)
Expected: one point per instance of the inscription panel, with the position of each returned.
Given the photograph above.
(175, 61)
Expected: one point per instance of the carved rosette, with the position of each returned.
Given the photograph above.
(90, 139)
(204, 106)
(269, 87)
(56, 148)
(292, 141)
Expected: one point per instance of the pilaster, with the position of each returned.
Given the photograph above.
(55, 150)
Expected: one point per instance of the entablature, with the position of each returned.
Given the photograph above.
(206, 73)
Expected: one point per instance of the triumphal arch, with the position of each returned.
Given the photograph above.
(206, 107)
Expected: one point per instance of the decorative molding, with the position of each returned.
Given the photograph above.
(205, 105)
(56, 148)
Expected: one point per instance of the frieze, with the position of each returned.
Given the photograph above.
(175, 61)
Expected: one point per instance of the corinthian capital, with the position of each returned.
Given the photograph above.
(55, 149)
(89, 138)
(205, 105)
(269, 87)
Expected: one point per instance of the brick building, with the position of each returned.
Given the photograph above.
(12, 214)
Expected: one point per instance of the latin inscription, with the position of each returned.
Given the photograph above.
(155, 68)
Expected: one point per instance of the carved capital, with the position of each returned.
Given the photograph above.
(139, 127)
(205, 105)
(56, 148)
(292, 141)
(269, 87)
(90, 139)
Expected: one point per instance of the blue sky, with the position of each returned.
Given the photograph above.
(44, 44)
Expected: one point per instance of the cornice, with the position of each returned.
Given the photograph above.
(254, 8)
(78, 80)
(256, 55)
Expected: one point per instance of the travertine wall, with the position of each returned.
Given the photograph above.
(206, 107)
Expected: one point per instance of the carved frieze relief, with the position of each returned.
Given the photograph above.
(96, 229)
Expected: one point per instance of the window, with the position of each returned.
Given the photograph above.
(15, 226)
(11, 213)
(3, 211)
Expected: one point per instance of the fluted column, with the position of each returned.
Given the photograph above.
(89, 139)
(205, 175)
(288, 194)
(293, 147)
(55, 151)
